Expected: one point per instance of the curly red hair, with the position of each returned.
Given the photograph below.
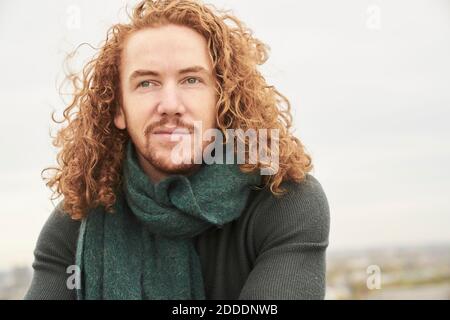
(92, 148)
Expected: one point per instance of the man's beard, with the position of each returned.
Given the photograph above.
(165, 165)
(160, 156)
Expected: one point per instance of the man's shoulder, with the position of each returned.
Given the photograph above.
(307, 193)
(59, 233)
(302, 214)
(54, 252)
(62, 220)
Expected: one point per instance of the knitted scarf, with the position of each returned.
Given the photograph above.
(145, 249)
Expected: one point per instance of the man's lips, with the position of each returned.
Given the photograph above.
(175, 130)
(171, 135)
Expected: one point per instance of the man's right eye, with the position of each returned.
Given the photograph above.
(144, 84)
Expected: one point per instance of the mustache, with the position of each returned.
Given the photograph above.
(177, 122)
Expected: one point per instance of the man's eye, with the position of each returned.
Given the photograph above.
(192, 78)
(144, 84)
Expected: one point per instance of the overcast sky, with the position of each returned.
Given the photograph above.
(369, 83)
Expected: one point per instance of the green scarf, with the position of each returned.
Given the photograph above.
(145, 249)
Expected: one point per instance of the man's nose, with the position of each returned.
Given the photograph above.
(171, 102)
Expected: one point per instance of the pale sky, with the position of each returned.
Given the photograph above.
(369, 84)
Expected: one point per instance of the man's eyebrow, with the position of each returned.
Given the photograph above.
(141, 73)
(193, 69)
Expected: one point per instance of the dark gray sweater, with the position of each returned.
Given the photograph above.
(275, 250)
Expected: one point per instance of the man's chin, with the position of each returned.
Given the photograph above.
(173, 168)
(164, 163)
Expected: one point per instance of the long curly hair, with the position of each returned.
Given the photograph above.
(92, 149)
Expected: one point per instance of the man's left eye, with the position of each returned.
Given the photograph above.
(189, 80)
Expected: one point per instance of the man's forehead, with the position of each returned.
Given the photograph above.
(142, 46)
(164, 55)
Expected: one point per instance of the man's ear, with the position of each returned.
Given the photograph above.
(119, 119)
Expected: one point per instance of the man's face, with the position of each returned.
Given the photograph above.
(167, 82)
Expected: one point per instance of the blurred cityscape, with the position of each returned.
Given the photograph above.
(390, 274)
(14, 283)
(386, 273)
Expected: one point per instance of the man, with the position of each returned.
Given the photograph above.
(146, 214)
